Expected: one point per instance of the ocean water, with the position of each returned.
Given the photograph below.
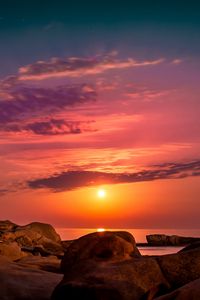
(139, 235)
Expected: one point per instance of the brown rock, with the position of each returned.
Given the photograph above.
(169, 240)
(107, 266)
(35, 234)
(11, 250)
(192, 246)
(50, 263)
(25, 283)
(7, 225)
(190, 291)
(180, 268)
(101, 246)
(45, 230)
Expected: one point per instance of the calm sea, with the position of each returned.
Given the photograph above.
(139, 234)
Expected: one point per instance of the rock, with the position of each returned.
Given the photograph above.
(7, 225)
(167, 240)
(35, 234)
(25, 283)
(191, 247)
(45, 230)
(180, 268)
(108, 266)
(37, 250)
(190, 291)
(66, 244)
(101, 246)
(50, 263)
(11, 250)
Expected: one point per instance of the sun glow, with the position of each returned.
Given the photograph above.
(100, 229)
(101, 193)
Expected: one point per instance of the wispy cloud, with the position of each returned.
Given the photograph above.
(76, 67)
(50, 127)
(76, 179)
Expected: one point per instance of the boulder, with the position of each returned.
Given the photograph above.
(11, 250)
(180, 268)
(108, 266)
(25, 283)
(7, 225)
(35, 234)
(192, 246)
(50, 263)
(101, 246)
(190, 291)
(45, 230)
(169, 240)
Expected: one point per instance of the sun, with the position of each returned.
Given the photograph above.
(100, 229)
(101, 193)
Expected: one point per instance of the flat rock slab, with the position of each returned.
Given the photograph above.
(25, 283)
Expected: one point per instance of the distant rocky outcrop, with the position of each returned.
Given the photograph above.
(169, 240)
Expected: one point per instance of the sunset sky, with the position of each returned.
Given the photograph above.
(100, 95)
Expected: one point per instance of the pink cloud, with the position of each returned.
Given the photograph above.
(77, 67)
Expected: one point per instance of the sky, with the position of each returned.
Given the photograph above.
(98, 95)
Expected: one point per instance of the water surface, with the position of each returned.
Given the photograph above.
(139, 234)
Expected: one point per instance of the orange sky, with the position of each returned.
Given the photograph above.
(100, 100)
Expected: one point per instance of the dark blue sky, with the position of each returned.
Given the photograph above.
(33, 30)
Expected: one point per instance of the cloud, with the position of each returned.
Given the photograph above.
(76, 179)
(177, 61)
(145, 94)
(50, 127)
(27, 108)
(75, 66)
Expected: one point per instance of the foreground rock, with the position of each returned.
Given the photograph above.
(21, 282)
(190, 291)
(50, 263)
(192, 246)
(169, 240)
(108, 266)
(11, 250)
(180, 268)
(100, 246)
(7, 225)
(28, 237)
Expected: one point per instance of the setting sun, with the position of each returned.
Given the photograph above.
(100, 229)
(101, 193)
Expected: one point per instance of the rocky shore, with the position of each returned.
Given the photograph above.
(36, 264)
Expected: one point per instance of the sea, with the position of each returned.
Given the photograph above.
(139, 235)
